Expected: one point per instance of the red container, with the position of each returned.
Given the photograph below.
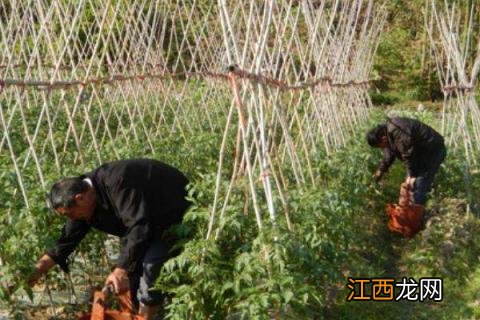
(100, 311)
(405, 217)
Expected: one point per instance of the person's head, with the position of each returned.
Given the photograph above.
(377, 137)
(73, 198)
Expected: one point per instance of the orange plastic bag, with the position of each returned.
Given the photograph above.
(100, 311)
(405, 217)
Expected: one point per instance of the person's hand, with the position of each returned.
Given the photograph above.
(119, 280)
(32, 281)
(44, 264)
(410, 181)
(377, 175)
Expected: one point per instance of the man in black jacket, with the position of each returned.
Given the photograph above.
(419, 146)
(136, 200)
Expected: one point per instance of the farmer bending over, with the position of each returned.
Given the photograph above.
(136, 200)
(420, 147)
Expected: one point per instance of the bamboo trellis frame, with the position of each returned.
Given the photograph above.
(453, 35)
(111, 73)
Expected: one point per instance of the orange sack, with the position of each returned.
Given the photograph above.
(101, 312)
(405, 217)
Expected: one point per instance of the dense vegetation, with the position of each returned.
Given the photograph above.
(404, 64)
(340, 231)
(339, 225)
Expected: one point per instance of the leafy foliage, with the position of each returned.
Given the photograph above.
(339, 230)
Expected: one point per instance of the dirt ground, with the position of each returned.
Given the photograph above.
(68, 312)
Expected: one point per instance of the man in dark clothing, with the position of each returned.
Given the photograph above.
(136, 200)
(419, 146)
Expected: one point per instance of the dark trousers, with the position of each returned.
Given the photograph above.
(424, 181)
(142, 281)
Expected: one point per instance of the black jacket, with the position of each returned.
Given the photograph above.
(413, 142)
(135, 199)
